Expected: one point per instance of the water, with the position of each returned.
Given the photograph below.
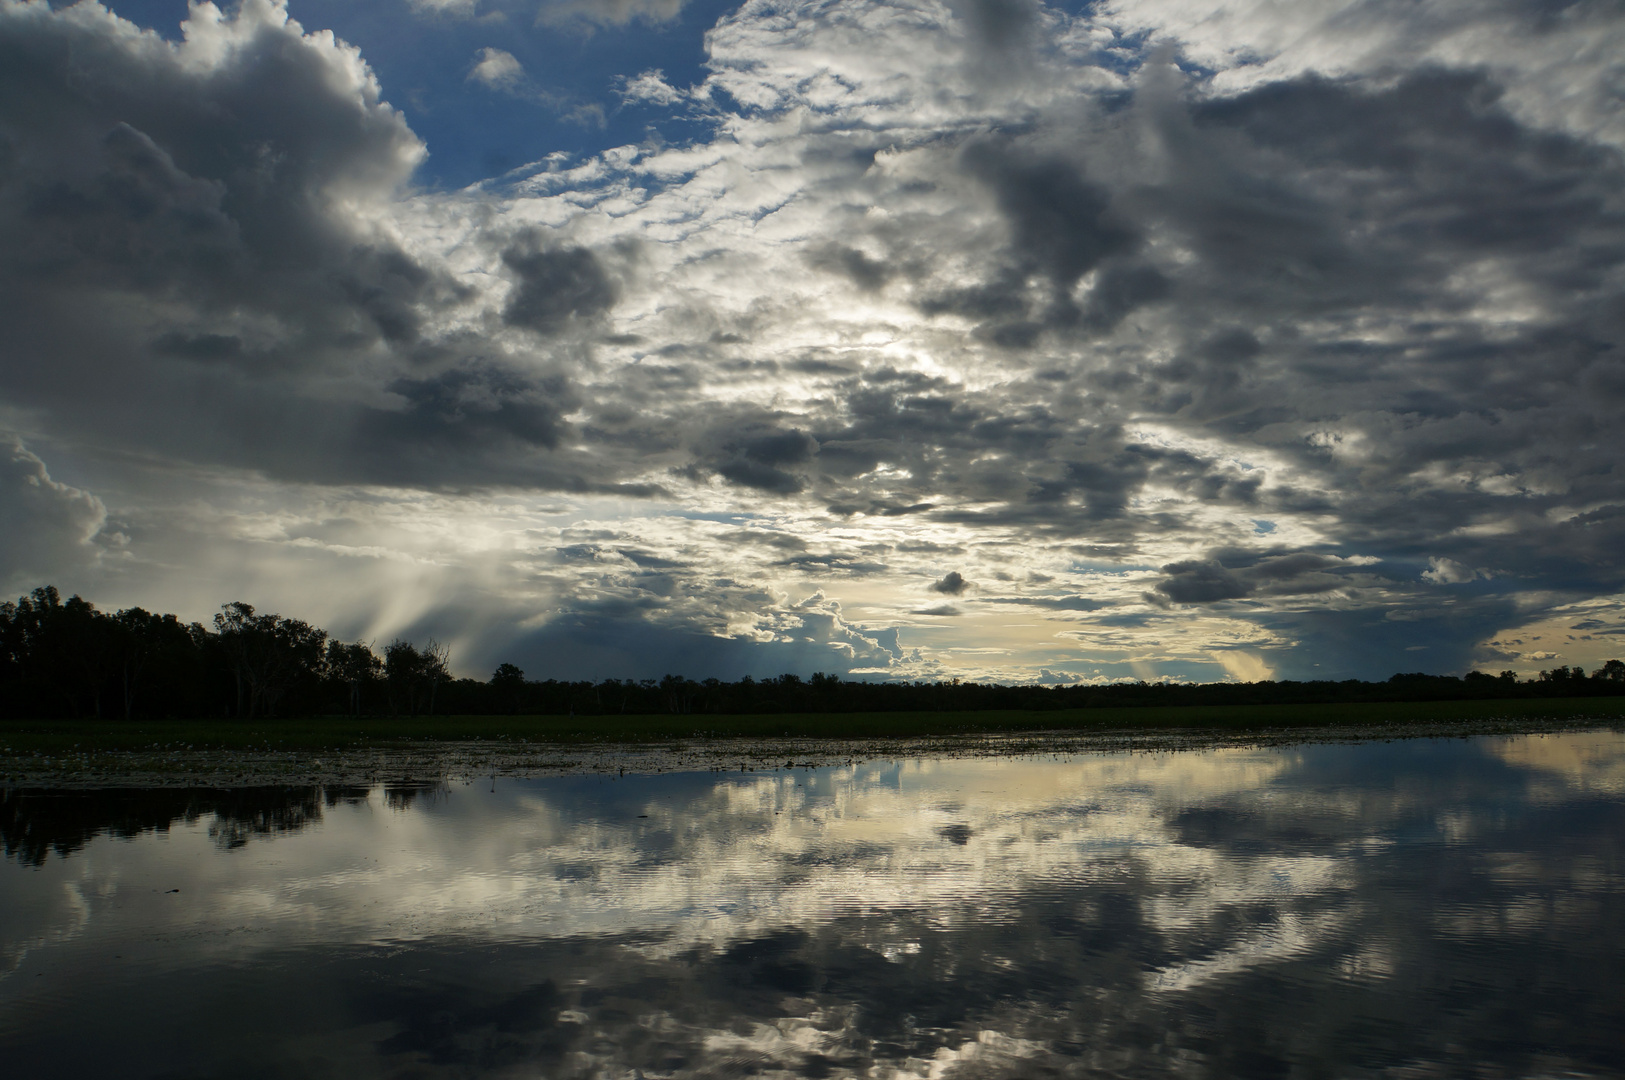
(1409, 909)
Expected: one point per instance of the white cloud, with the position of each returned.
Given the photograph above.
(461, 9)
(1442, 571)
(651, 86)
(1561, 68)
(497, 69)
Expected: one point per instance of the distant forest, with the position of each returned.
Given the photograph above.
(64, 658)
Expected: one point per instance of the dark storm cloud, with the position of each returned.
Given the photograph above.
(1059, 220)
(879, 508)
(555, 287)
(1000, 23)
(953, 584)
(866, 272)
(1458, 182)
(1201, 581)
(641, 632)
(123, 156)
(1058, 603)
(618, 641)
(932, 427)
(1387, 187)
(1061, 226)
(177, 231)
(760, 455)
(1238, 575)
(945, 610)
(835, 563)
(393, 291)
(1122, 288)
(202, 183)
(1233, 346)
(781, 541)
(1370, 642)
(131, 212)
(472, 414)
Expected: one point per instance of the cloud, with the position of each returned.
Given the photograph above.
(1237, 575)
(1442, 571)
(762, 456)
(1062, 298)
(1557, 67)
(555, 287)
(51, 528)
(215, 213)
(497, 69)
(1001, 23)
(461, 9)
(651, 86)
(501, 71)
(591, 13)
(952, 584)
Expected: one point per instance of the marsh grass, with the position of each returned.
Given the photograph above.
(53, 737)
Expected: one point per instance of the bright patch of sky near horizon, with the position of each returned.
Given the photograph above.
(989, 339)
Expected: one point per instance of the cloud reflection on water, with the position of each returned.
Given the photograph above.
(1368, 907)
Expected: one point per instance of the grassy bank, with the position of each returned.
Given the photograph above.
(337, 733)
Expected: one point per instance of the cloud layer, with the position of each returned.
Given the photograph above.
(1164, 341)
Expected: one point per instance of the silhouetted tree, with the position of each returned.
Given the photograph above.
(436, 668)
(147, 648)
(508, 684)
(64, 648)
(355, 666)
(413, 676)
(267, 653)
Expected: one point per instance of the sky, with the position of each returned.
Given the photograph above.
(978, 339)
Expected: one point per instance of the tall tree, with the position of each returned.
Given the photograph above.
(414, 675)
(145, 648)
(356, 666)
(268, 654)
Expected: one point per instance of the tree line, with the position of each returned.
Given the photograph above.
(65, 658)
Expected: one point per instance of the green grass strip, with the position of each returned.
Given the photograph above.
(334, 733)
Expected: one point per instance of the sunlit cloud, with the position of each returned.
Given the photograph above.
(1163, 340)
(497, 69)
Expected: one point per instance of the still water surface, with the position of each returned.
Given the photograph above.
(1447, 907)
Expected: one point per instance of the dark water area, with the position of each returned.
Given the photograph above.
(1418, 908)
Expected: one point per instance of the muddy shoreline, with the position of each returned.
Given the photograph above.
(433, 762)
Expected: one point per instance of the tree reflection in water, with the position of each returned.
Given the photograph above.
(36, 824)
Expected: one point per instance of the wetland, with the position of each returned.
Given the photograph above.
(1289, 903)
